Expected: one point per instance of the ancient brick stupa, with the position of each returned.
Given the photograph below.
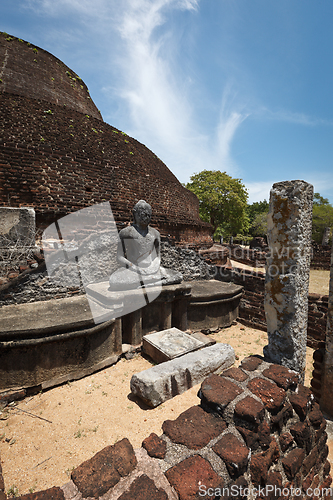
(57, 154)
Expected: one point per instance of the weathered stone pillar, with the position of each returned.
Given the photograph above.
(326, 236)
(287, 273)
(326, 400)
(132, 327)
(166, 315)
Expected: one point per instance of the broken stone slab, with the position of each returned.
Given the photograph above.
(162, 382)
(169, 344)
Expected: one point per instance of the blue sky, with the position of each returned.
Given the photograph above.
(242, 86)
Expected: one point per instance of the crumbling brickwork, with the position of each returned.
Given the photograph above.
(252, 311)
(257, 432)
(58, 156)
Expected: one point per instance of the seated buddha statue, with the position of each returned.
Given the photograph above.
(138, 254)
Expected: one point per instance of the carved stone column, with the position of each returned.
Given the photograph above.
(287, 273)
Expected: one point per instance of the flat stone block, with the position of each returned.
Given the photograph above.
(169, 344)
(163, 382)
(213, 304)
(107, 304)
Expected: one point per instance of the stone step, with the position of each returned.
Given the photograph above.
(169, 344)
(162, 382)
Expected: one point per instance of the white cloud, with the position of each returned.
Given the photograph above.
(259, 191)
(292, 117)
(160, 106)
(152, 101)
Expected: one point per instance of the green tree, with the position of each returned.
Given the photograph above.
(257, 213)
(222, 201)
(259, 225)
(322, 217)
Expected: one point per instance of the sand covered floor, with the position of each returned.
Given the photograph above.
(80, 418)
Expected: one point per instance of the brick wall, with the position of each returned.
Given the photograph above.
(58, 156)
(256, 430)
(252, 307)
(321, 256)
(30, 71)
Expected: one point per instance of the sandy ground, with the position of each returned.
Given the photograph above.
(82, 417)
(72, 422)
(319, 279)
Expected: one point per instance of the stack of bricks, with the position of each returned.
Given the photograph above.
(317, 319)
(257, 432)
(321, 256)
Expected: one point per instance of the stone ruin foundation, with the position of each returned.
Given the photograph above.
(257, 431)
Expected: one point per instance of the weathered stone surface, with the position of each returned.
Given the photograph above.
(143, 488)
(282, 416)
(217, 392)
(310, 460)
(169, 344)
(100, 473)
(282, 376)
(194, 428)
(237, 487)
(285, 441)
(315, 417)
(292, 462)
(233, 453)
(50, 494)
(81, 347)
(273, 451)
(235, 373)
(251, 438)
(251, 363)
(264, 432)
(9, 396)
(308, 481)
(287, 273)
(302, 435)
(163, 382)
(274, 479)
(320, 431)
(187, 477)
(17, 227)
(213, 304)
(259, 466)
(250, 409)
(155, 446)
(271, 395)
(301, 404)
(326, 484)
(327, 468)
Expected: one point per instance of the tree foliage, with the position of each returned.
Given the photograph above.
(257, 214)
(259, 225)
(222, 201)
(322, 217)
